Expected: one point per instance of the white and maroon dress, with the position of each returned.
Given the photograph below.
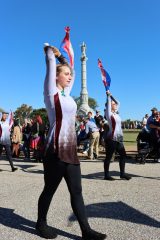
(61, 109)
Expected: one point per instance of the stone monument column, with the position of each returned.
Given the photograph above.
(84, 107)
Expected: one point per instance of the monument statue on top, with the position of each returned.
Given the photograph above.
(84, 107)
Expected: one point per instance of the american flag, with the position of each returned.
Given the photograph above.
(11, 121)
(66, 48)
(105, 76)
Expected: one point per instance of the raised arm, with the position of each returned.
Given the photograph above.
(108, 111)
(10, 120)
(50, 79)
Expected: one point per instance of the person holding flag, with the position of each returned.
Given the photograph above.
(66, 49)
(60, 160)
(114, 138)
(6, 123)
(105, 78)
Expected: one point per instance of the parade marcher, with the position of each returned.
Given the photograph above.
(61, 159)
(114, 139)
(5, 139)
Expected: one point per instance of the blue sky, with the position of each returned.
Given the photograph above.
(124, 34)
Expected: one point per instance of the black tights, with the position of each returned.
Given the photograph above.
(8, 153)
(54, 171)
(111, 147)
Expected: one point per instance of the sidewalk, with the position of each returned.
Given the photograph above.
(124, 210)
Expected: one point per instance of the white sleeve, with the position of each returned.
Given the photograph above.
(108, 112)
(50, 79)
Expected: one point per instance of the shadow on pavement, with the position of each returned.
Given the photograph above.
(11, 219)
(100, 176)
(119, 211)
(25, 168)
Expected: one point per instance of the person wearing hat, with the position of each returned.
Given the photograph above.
(154, 109)
(5, 141)
(151, 120)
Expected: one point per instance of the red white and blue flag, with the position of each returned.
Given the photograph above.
(11, 121)
(66, 48)
(105, 76)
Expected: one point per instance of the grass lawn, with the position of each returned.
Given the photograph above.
(130, 136)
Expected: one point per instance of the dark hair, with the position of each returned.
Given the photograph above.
(15, 123)
(90, 112)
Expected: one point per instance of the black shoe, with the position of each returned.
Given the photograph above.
(14, 169)
(95, 155)
(142, 162)
(109, 178)
(125, 177)
(93, 235)
(45, 231)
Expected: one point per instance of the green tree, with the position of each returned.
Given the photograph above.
(23, 112)
(1, 110)
(42, 112)
(91, 102)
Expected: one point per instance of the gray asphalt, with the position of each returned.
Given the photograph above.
(124, 210)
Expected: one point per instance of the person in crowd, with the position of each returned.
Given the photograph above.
(35, 138)
(151, 120)
(41, 134)
(153, 127)
(90, 117)
(16, 139)
(93, 131)
(78, 122)
(5, 138)
(81, 133)
(61, 159)
(104, 131)
(114, 139)
(98, 118)
(82, 137)
(99, 122)
(144, 120)
(26, 131)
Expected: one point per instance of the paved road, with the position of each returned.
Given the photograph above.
(125, 210)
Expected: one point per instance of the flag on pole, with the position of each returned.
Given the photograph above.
(66, 48)
(11, 121)
(105, 76)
